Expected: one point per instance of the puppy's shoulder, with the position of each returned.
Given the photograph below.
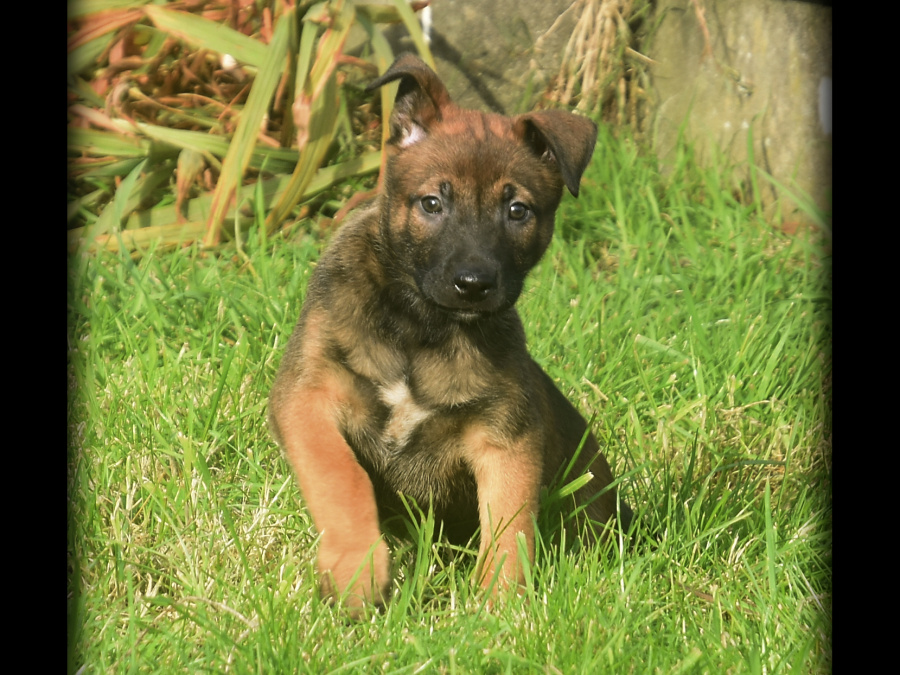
(351, 249)
(360, 226)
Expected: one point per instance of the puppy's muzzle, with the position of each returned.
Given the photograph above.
(469, 288)
(473, 284)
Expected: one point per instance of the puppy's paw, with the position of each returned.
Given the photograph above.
(360, 576)
(502, 575)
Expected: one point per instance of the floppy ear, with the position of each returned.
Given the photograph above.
(421, 99)
(560, 137)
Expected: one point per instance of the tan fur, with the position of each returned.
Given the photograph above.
(509, 479)
(407, 373)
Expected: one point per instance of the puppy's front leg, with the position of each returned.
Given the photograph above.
(509, 480)
(339, 496)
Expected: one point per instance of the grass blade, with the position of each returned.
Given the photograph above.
(676, 356)
(770, 544)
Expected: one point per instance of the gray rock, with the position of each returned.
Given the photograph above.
(769, 73)
(497, 55)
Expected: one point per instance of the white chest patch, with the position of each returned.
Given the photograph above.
(406, 414)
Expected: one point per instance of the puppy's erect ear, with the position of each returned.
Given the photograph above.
(421, 99)
(560, 137)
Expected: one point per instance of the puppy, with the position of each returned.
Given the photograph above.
(407, 373)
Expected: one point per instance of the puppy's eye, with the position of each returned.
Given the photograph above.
(518, 211)
(432, 204)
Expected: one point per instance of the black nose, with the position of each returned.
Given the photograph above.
(474, 284)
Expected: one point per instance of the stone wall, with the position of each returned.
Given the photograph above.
(497, 55)
(760, 66)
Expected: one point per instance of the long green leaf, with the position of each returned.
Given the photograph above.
(75, 10)
(112, 215)
(83, 57)
(331, 46)
(165, 142)
(167, 235)
(323, 120)
(378, 13)
(384, 56)
(415, 31)
(239, 152)
(305, 54)
(146, 226)
(278, 160)
(87, 44)
(320, 96)
(206, 34)
(102, 143)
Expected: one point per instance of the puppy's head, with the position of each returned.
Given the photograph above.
(469, 197)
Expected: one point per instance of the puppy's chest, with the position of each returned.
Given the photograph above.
(400, 427)
(413, 403)
(418, 450)
(404, 415)
(420, 427)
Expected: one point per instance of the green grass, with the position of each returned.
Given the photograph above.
(697, 336)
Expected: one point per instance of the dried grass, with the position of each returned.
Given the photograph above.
(601, 72)
(189, 102)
